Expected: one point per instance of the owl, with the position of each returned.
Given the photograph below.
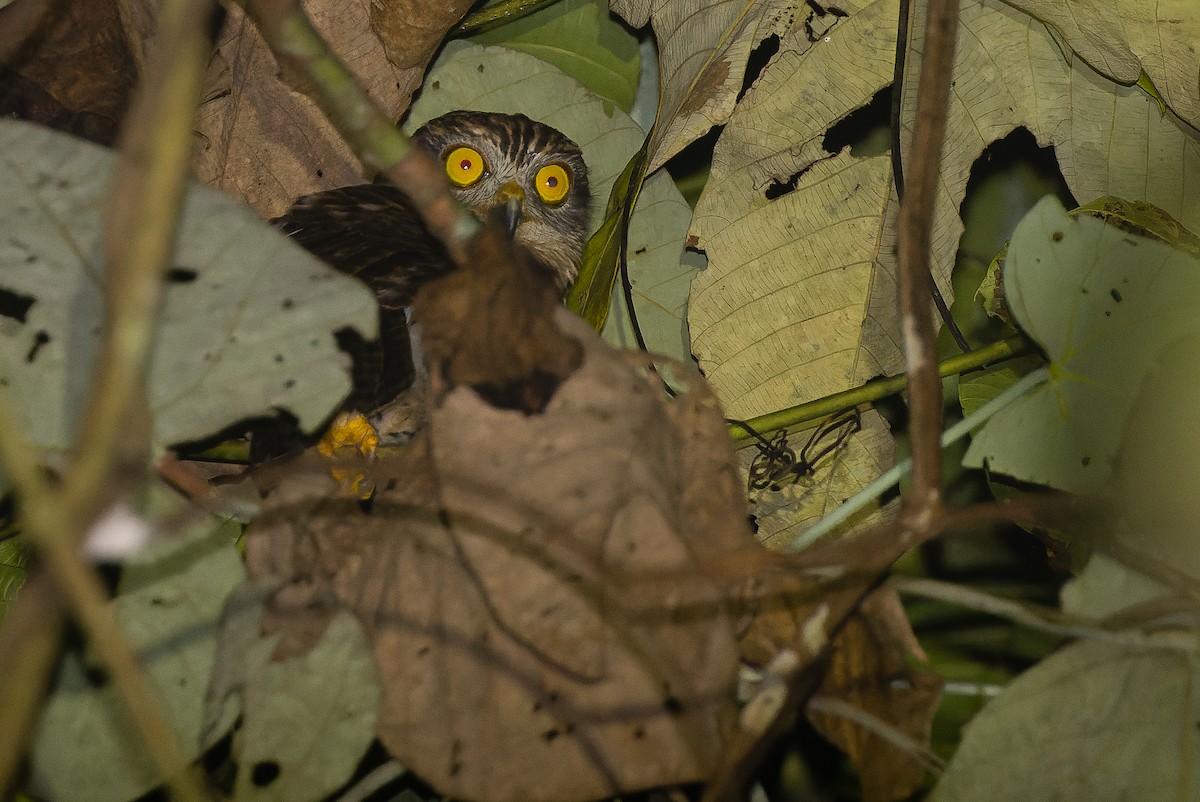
(497, 165)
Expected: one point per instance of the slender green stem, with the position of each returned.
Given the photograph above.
(891, 478)
(874, 390)
(498, 14)
(1044, 619)
(142, 219)
(291, 35)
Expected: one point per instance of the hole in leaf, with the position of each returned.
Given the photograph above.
(866, 130)
(759, 57)
(15, 305)
(264, 773)
(181, 275)
(39, 340)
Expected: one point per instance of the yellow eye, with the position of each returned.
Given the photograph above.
(464, 166)
(553, 182)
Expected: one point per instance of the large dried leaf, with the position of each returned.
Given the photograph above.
(792, 233)
(557, 595)
(800, 296)
(1123, 39)
(247, 326)
(85, 747)
(543, 608)
(266, 143)
(1009, 72)
(74, 72)
(871, 670)
(702, 61)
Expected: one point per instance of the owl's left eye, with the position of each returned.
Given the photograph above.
(553, 182)
(465, 166)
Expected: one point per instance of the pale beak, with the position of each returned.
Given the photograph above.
(512, 199)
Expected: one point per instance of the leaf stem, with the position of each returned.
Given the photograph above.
(295, 42)
(498, 14)
(1043, 619)
(892, 477)
(875, 389)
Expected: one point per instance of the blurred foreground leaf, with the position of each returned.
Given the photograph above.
(248, 321)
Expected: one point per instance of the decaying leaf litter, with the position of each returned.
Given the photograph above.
(714, 76)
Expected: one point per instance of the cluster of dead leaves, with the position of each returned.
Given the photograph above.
(557, 579)
(560, 594)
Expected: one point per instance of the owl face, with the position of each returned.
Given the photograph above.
(536, 173)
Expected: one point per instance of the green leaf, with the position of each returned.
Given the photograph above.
(1102, 303)
(14, 557)
(1095, 721)
(247, 324)
(305, 721)
(582, 39)
(84, 747)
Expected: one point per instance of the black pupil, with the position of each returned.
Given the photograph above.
(465, 165)
(552, 181)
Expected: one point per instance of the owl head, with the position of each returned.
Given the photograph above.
(528, 171)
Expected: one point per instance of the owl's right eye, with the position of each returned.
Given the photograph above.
(465, 166)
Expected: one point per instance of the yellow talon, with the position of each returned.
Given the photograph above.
(350, 430)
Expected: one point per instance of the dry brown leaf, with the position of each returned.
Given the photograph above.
(73, 71)
(491, 328)
(872, 670)
(266, 143)
(535, 595)
(558, 595)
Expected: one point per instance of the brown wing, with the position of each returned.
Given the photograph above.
(370, 231)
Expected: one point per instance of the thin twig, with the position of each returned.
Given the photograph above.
(149, 184)
(31, 634)
(874, 390)
(832, 706)
(1033, 616)
(916, 215)
(372, 135)
(892, 477)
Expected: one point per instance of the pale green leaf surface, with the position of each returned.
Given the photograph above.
(313, 716)
(84, 747)
(581, 39)
(467, 76)
(1123, 38)
(777, 316)
(702, 60)
(1102, 303)
(1009, 72)
(1105, 587)
(1091, 723)
(1154, 488)
(14, 556)
(977, 388)
(247, 325)
(661, 276)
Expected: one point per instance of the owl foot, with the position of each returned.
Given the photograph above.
(349, 439)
